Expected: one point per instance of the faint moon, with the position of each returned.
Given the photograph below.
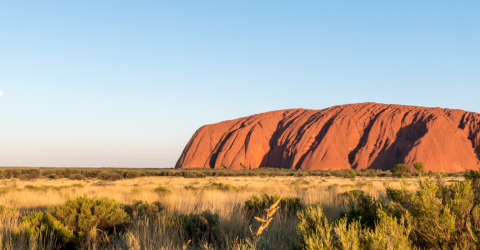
(1, 93)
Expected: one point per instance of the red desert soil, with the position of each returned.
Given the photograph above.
(359, 136)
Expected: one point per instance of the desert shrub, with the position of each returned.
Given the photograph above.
(419, 168)
(16, 173)
(91, 173)
(256, 205)
(327, 174)
(102, 184)
(77, 221)
(387, 173)
(315, 232)
(46, 187)
(332, 188)
(221, 187)
(162, 190)
(443, 216)
(191, 174)
(202, 228)
(337, 173)
(30, 174)
(474, 178)
(78, 177)
(37, 188)
(67, 173)
(400, 170)
(73, 170)
(360, 207)
(7, 174)
(140, 208)
(191, 188)
(313, 229)
(389, 233)
(400, 196)
(372, 173)
(109, 176)
(352, 174)
(4, 190)
(7, 212)
(300, 182)
(11, 173)
(132, 174)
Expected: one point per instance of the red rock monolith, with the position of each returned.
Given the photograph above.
(358, 136)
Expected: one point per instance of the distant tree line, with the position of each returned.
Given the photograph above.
(112, 174)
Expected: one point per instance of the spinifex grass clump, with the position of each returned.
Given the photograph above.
(77, 221)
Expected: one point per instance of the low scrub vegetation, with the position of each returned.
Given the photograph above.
(119, 174)
(240, 212)
(78, 222)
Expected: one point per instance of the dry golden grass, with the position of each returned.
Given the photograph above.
(311, 190)
(146, 234)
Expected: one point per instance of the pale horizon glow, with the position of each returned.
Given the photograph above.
(126, 84)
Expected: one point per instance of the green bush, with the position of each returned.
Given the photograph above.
(162, 190)
(132, 174)
(443, 216)
(67, 173)
(91, 173)
(202, 228)
(221, 187)
(77, 221)
(400, 170)
(257, 205)
(140, 208)
(191, 188)
(419, 168)
(7, 174)
(194, 174)
(372, 173)
(7, 212)
(109, 176)
(4, 190)
(352, 174)
(30, 174)
(315, 232)
(39, 188)
(360, 207)
(77, 177)
(16, 173)
(313, 229)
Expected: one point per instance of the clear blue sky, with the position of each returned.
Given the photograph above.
(127, 83)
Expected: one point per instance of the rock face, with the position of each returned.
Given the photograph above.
(358, 136)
